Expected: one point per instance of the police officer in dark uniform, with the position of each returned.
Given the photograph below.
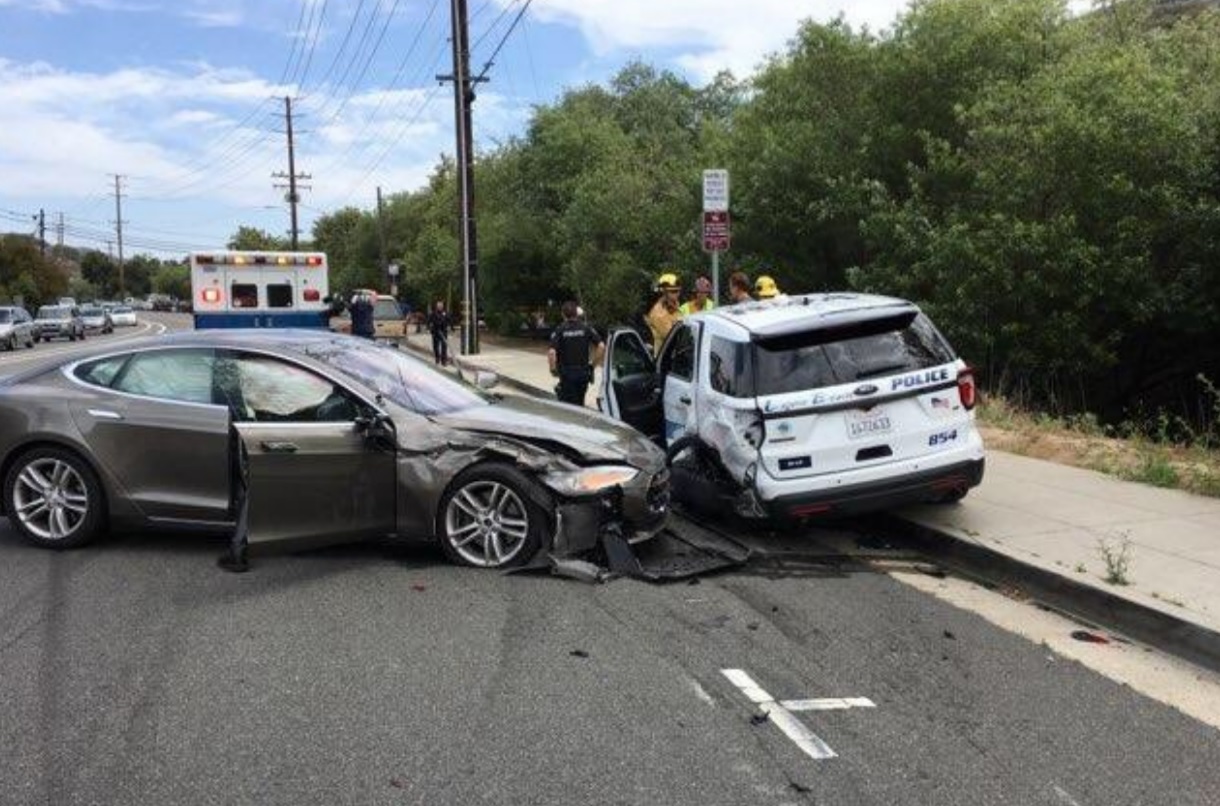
(361, 309)
(569, 355)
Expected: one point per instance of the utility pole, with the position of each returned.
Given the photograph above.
(59, 231)
(118, 225)
(463, 98)
(292, 176)
(42, 232)
(385, 265)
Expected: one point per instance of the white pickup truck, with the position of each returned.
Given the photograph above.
(805, 406)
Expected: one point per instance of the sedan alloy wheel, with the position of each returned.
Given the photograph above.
(488, 521)
(53, 498)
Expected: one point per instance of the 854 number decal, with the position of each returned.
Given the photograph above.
(942, 438)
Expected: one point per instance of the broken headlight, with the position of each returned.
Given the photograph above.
(590, 480)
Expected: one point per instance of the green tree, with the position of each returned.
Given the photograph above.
(255, 239)
(172, 279)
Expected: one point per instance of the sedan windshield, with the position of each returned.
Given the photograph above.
(91, 312)
(406, 381)
(52, 312)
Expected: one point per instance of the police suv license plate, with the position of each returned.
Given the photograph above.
(864, 424)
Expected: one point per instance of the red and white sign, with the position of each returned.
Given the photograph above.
(716, 231)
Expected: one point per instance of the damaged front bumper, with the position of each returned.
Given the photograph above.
(637, 510)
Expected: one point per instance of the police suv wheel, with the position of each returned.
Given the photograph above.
(54, 499)
(489, 518)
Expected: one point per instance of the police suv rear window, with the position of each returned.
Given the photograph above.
(838, 355)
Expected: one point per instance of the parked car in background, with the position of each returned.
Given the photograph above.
(340, 439)
(96, 319)
(123, 316)
(59, 322)
(16, 328)
(816, 405)
(388, 319)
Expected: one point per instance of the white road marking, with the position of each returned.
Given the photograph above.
(800, 734)
(828, 704)
(43, 352)
(1065, 797)
(701, 693)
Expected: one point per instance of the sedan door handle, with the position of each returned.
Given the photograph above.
(278, 447)
(105, 414)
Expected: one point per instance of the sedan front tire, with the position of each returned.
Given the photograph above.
(490, 518)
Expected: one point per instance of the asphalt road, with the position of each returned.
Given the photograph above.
(135, 672)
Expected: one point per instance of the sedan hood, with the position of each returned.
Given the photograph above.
(595, 437)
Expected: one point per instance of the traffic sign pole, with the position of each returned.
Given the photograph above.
(716, 221)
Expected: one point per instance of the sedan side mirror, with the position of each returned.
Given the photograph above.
(376, 427)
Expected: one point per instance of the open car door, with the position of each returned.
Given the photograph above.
(316, 484)
(318, 464)
(629, 390)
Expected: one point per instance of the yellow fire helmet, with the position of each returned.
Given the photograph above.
(668, 280)
(765, 287)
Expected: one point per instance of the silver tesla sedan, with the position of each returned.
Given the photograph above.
(315, 438)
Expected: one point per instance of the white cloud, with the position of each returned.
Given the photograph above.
(216, 18)
(708, 35)
(193, 154)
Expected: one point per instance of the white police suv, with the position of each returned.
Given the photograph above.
(804, 406)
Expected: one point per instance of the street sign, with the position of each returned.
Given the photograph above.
(716, 190)
(716, 231)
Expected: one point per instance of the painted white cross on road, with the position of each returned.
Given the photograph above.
(781, 712)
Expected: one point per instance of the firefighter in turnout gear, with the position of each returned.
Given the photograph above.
(665, 312)
(569, 355)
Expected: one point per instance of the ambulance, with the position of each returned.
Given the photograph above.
(260, 289)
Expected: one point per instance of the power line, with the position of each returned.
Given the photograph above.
(390, 88)
(492, 59)
(313, 44)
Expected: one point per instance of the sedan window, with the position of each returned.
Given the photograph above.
(5, 316)
(276, 391)
(184, 375)
(101, 372)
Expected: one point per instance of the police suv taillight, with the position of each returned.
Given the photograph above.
(966, 389)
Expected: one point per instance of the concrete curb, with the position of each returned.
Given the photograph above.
(1178, 636)
(1147, 625)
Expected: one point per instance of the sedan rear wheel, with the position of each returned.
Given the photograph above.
(488, 519)
(53, 498)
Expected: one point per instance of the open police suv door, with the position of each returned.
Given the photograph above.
(630, 390)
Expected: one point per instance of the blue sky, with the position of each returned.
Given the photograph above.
(181, 98)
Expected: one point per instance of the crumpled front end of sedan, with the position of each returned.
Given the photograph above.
(632, 503)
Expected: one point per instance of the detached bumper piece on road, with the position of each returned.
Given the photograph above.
(681, 550)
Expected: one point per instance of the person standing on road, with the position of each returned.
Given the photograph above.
(703, 298)
(739, 287)
(439, 324)
(362, 315)
(569, 355)
(665, 312)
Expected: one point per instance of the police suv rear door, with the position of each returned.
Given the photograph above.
(857, 394)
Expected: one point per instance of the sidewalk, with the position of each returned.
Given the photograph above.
(1048, 521)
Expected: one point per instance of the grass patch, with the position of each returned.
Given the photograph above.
(1160, 451)
(1117, 559)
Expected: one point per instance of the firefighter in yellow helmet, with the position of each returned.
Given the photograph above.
(665, 312)
(765, 287)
